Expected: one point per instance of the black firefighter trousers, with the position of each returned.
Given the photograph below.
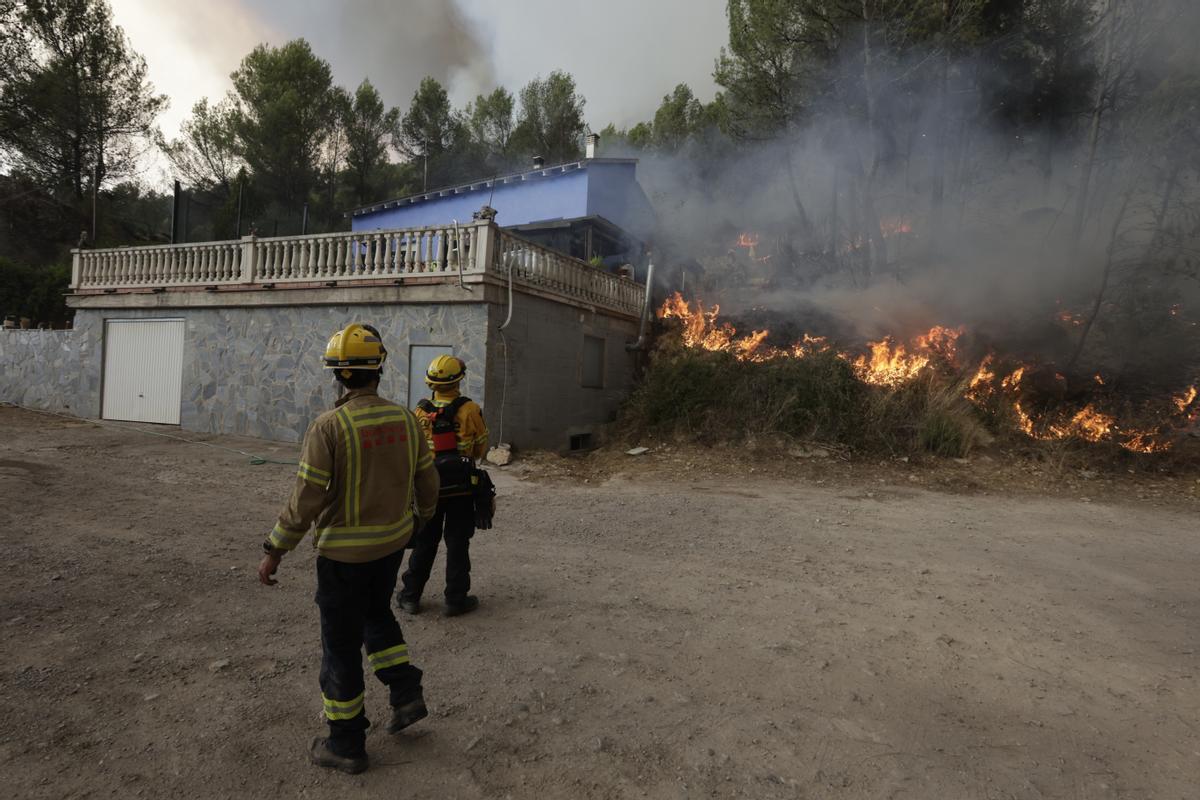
(455, 522)
(355, 605)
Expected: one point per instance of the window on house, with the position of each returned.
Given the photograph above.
(592, 370)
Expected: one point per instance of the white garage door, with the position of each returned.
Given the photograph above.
(143, 369)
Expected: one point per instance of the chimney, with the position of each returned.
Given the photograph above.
(593, 144)
(538, 162)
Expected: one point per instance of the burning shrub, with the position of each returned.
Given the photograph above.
(713, 396)
(949, 426)
(933, 391)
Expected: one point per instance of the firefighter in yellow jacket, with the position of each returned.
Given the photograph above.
(363, 467)
(455, 432)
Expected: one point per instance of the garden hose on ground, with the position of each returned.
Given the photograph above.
(254, 459)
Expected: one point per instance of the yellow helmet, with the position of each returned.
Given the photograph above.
(355, 347)
(445, 371)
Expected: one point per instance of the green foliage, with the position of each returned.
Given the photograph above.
(550, 123)
(490, 121)
(765, 69)
(285, 111)
(641, 135)
(676, 118)
(34, 292)
(74, 99)
(429, 127)
(205, 156)
(368, 127)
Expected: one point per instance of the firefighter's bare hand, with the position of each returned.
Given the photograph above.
(267, 567)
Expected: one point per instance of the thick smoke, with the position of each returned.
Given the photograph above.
(998, 256)
(394, 44)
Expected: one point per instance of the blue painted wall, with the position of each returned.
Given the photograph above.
(614, 193)
(532, 200)
(604, 189)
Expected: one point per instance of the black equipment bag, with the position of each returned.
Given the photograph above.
(484, 496)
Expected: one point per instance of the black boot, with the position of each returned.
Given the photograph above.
(320, 754)
(408, 605)
(464, 606)
(406, 714)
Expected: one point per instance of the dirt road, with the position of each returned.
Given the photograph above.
(681, 637)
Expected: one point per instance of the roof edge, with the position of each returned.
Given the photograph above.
(445, 191)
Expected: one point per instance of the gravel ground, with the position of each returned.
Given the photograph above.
(662, 632)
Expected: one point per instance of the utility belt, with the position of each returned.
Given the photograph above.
(462, 479)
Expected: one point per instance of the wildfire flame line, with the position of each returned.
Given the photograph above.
(890, 363)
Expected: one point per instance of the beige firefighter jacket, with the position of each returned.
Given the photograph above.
(362, 466)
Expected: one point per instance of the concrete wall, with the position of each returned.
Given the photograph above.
(544, 400)
(52, 370)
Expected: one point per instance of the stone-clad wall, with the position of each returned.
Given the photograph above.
(52, 370)
(254, 371)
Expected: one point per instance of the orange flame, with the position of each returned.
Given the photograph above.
(892, 227)
(1186, 399)
(891, 363)
(980, 387)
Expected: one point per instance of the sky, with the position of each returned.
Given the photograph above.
(624, 54)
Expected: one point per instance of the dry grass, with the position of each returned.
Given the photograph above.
(711, 397)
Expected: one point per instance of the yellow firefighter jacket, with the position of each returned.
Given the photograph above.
(472, 432)
(360, 466)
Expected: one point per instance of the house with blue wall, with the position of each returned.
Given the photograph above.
(588, 209)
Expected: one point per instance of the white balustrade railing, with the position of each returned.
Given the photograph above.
(165, 265)
(553, 271)
(367, 254)
(473, 249)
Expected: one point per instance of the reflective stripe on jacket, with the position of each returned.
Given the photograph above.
(361, 466)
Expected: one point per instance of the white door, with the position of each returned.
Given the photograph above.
(419, 357)
(143, 370)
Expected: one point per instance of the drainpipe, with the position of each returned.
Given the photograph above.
(504, 342)
(641, 340)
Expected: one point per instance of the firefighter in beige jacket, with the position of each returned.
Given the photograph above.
(363, 466)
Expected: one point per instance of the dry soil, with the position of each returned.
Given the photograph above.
(663, 632)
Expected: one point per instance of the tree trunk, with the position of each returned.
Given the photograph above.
(939, 158)
(1089, 162)
(876, 248)
(801, 214)
(1104, 277)
(833, 215)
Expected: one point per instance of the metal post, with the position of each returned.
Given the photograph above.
(175, 214)
(95, 192)
(238, 231)
(304, 221)
(187, 213)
